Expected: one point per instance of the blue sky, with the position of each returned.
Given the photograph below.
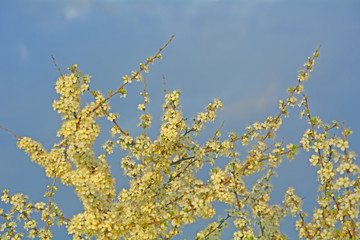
(245, 52)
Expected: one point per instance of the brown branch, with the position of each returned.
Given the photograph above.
(57, 66)
(164, 84)
(217, 130)
(11, 230)
(235, 192)
(10, 132)
(107, 114)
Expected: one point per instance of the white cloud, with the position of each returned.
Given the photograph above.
(71, 13)
(23, 51)
(253, 103)
(76, 10)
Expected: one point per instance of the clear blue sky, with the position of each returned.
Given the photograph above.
(245, 52)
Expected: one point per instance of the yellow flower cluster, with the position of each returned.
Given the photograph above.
(164, 192)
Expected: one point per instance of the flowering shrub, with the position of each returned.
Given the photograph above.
(164, 193)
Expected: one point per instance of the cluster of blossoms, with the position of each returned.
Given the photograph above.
(164, 192)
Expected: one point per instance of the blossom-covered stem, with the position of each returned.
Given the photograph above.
(159, 221)
(247, 164)
(28, 219)
(312, 123)
(234, 179)
(23, 213)
(304, 225)
(104, 111)
(149, 60)
(11, 230)
(235, 192)
(222, 221)
(107, 114)
(345, 134)
(245, 135)
(52, 188)
(145, 102)
(181, 172)
(117, 125)
(50, 206)
(304, 74)
(328, 186)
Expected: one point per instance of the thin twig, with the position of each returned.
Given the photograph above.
(57, 66)
(219, 226)
(144, 110)
(10, 132)
(181, 160)
(222, 124)
(164, 84)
